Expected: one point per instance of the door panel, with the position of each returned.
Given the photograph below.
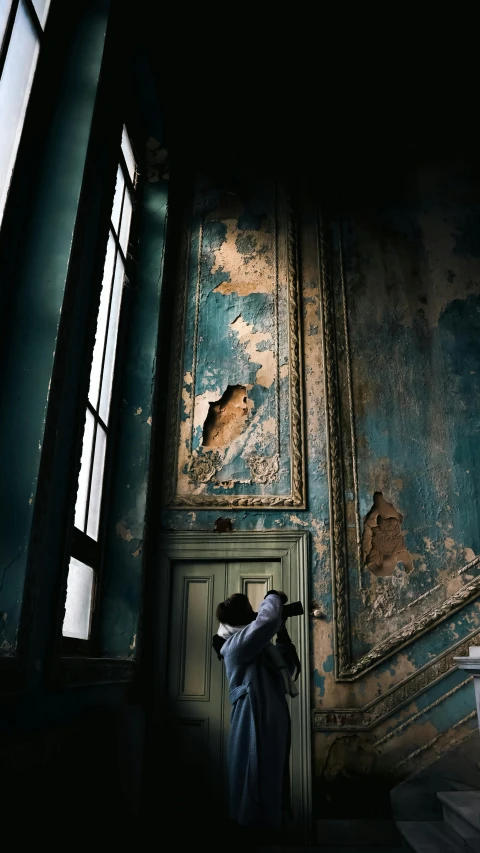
(195, 677)
(199, 707)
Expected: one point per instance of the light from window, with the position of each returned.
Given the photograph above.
(4, 10)
(97, 417)
(41, 8)
(78, 604)
(19, 46)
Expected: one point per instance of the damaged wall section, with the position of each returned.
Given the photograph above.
(383, 540)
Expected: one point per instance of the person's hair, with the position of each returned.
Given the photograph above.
(235, 610)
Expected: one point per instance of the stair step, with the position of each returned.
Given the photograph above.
(425, 836)
(461, 810)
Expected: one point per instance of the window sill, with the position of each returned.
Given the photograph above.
(84, 671)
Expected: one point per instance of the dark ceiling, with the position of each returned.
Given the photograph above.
(233, 101)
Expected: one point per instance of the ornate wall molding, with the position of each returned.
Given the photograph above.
(266, 483)
(436, 747)
(342, 466)
(375, 712)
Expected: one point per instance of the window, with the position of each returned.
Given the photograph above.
(21, 32)
(85, 557)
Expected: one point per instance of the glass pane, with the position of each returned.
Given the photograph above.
(78, 604)
(117, 200)
(4, 10)
(125, 226)
(96, 368)
(84, 476)
(109, 364)
(128, 154)
(97, 483)
(15, 85)
(41, 8)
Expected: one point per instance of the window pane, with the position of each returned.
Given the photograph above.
(84, 476)
(4, 10)
(15, 85)
(117, 200)
(125, 226)
(109, 364)
(96, 368)
(41, 8)
(78, 604)
(128, 154)
(97, 484)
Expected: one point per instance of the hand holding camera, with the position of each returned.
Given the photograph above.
(293, 609)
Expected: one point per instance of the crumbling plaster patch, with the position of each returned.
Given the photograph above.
(383, 540)
(246, 258)
(250, 340)
(227, 417)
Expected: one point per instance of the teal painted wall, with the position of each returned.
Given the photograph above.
(411, 267)
(124, 547)
(37, 287)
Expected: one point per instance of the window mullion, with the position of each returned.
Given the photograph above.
(107, 327)
(90, 474)
(104, 348)
(34, 17)
(126, 175)
(117, 244)
(8, 33)
(97, 416)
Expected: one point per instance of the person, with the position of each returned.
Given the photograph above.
(260, 675)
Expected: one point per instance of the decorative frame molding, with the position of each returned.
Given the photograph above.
(371, 715)
(346, 668)
(436, 747)
(290, 547)
(297, 497)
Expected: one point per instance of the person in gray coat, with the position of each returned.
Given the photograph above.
(260, 675)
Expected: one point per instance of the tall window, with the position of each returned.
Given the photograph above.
(85, 558)
(21, 32)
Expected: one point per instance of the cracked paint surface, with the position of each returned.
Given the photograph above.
(236, 336)
(412, 278)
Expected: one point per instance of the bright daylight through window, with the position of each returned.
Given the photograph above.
(82, 568)
(21, 33)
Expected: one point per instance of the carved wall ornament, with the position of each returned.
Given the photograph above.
(264, 469)
(390, 702)
(203, 468)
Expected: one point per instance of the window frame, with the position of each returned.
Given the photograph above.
(81, 546)
(4, 48)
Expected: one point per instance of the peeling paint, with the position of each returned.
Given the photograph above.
(383, 540)
(251, 340)
(123, 532)
(227, 417)
(412, 307)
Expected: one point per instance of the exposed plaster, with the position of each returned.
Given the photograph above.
(383, 541)
(246, 258)
(227, 418)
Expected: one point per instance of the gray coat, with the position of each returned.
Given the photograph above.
(259, 741)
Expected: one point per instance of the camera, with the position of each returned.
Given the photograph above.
(293, 609)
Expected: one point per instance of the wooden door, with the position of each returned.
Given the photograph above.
(198, 702)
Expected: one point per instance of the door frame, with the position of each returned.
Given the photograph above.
(290, 547)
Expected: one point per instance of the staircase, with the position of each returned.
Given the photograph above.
(458, 832)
